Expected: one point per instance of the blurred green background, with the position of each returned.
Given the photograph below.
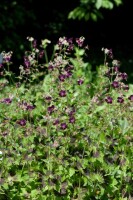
(104, 23)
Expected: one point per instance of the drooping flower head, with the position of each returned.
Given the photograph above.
(120, 100)
(21, 122)
(109, 100)
(62, 93)
(130, 97)
(63, 126)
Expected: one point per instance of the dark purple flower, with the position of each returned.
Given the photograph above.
(72, 119)
(30, 107)
(70, 47)
(80, 81)
(71, 113)
(50, 67)
(26, 62)
(130, 97)
(69, 68)
(110, 53)
(120, 100)
(124, 76)
(51, 109)
(62, 77)
(41, 54)
(63, 126)
(7, 59)
(116, 68)
(70, 40)
(21, 122)
(48, 98)
(7, 100)
(68, 74)
(56, 122)
(115, 84)
(62, 93)
(34, 43)
(108, 73)
(109, 100)
(126, 87)
(80, 41)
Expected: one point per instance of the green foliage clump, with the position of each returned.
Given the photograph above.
(65, 133)
(91, 9)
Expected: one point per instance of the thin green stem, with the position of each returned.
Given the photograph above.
(46, 56)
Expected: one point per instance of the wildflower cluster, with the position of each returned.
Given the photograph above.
(116, 78)
(65, 132)
(5, 60)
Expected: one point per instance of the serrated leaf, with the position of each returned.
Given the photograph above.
(118, 2)
(124, 125)
(60, 168)
(107, 5)
(114, 182)
(34, 193)
(94, 16)
(98, 4)
(5, 186)
(71, 171)
(85, 180)
(100, 108)
(102, 138)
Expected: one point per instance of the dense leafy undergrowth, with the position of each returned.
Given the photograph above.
(65, 132)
